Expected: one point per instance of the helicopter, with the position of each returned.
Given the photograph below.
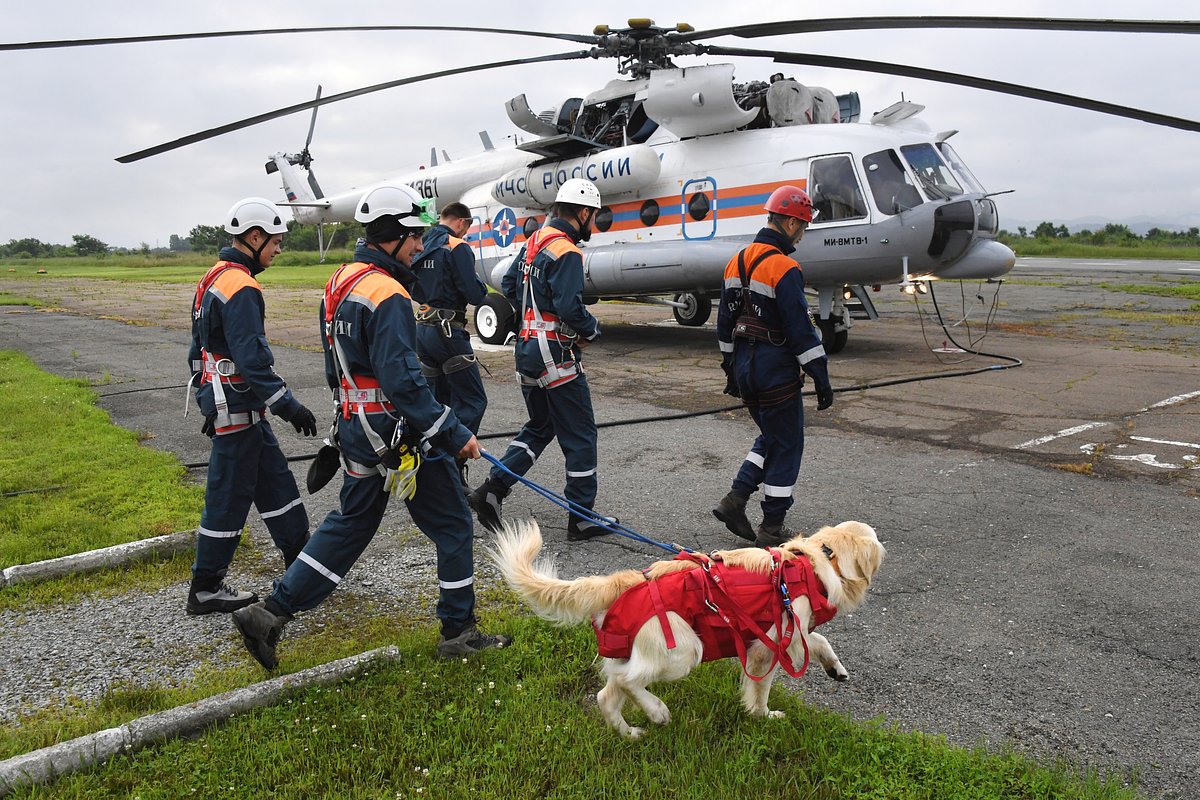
(685, 156)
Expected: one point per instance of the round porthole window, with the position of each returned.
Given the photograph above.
(604, 219)
(649, 213)
(698, 206)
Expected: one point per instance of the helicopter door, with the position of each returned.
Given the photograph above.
(835, 191)
(698, 205)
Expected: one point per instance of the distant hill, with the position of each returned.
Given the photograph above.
(1139, 225)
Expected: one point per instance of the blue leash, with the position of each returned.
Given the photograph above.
(584, 512)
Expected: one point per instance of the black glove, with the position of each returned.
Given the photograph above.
(304, 422)
(824, 396)
(209, 428)
(731, 387)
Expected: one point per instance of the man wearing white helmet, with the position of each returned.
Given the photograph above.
(394, 437)
(545, 285)
(235, 382)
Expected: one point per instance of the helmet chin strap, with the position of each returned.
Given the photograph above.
(255, 252)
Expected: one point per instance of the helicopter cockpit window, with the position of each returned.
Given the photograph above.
(960, 169)
(604, 219)
(890, 185)
(834, 189)
(932, 173)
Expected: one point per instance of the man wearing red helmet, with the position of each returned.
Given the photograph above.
(768, 342)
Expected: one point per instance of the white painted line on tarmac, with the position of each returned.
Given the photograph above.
(1165, 441)
(1087, 426)
(1170, 401)
(1188, 269)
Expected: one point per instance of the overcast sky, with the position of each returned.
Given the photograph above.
(65, 114)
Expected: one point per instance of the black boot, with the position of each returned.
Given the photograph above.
(261, 629)
(732, 511)
(486, 501)
(580, 530)
(773, 535)
(215, 596)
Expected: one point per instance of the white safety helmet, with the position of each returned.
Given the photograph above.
(579, 192)
(254, 212)
(397, 200)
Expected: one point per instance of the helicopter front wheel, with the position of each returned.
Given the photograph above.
(494, 319)
(834, 340)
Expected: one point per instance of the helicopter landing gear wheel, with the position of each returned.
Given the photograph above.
(833, 340)
(695, 310)
(494, 319)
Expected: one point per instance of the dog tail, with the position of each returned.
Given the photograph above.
(563, 602)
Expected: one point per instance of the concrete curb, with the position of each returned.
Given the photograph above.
(166, 545)
(88, 751)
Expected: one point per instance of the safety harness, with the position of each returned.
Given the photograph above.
(219, 370)
(728, 607)
(749, 325)
(545, 326)
(362, 394)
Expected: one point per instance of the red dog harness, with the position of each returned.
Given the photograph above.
(728, 608)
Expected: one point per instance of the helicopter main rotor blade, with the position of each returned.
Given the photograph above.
(991, 23)
(958, 79)
(175, 37)
(333, 98)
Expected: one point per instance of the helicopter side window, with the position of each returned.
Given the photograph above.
(531, 225)
(604, 219)
(698, 206)
(649, 213)
(834, 189)
(890, 185)
(932, 173)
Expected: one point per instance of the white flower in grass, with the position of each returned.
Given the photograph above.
(497, 701)
(491, 684)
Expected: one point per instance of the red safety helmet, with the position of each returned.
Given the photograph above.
(791, 201)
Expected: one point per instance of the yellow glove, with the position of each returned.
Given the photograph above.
(401, 480)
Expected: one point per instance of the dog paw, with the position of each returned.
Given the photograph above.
(838, 673)
(771, 714)
(659, 716)
(636, 733)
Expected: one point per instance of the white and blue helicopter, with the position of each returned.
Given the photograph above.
(685, 158)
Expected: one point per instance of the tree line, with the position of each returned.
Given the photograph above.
(1110, 234)
(201, 239)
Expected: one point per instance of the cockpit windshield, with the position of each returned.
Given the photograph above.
(960, 168)
(932, 173)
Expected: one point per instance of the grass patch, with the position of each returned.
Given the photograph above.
(1057, 248)
(299, 269)
(1184, 290)
(83, 483)
(10, 299)
(518, 724)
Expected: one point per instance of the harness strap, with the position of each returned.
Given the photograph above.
(445, 319)
(534, 324)
(748, 325)
(660, 611)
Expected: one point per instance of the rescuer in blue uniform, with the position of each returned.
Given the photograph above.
(767, 343)
(446, 285)
(235, 382)
(394, 437)
(545, 286)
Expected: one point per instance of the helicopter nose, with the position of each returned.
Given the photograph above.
(987, 258)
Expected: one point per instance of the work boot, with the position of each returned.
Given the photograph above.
(732, 511)
(486, 501)
(773, 535)
(580, 530)
(208, 598)
(469, 642)
(260, 630)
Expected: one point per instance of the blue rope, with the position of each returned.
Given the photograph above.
(583, 512)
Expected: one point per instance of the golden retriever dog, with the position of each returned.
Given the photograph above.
(844, 560)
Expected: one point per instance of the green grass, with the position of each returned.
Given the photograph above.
(84, 482)
(10, 299)
(299, 269)
(1055, 248)
(1185, 290)
(519, 723)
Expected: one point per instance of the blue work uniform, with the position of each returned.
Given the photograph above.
(232, 370)
(446, 285)
(374, 332)
(768, 342)
(547, 294)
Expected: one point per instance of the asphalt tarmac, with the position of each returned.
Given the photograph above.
(1040, 520)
